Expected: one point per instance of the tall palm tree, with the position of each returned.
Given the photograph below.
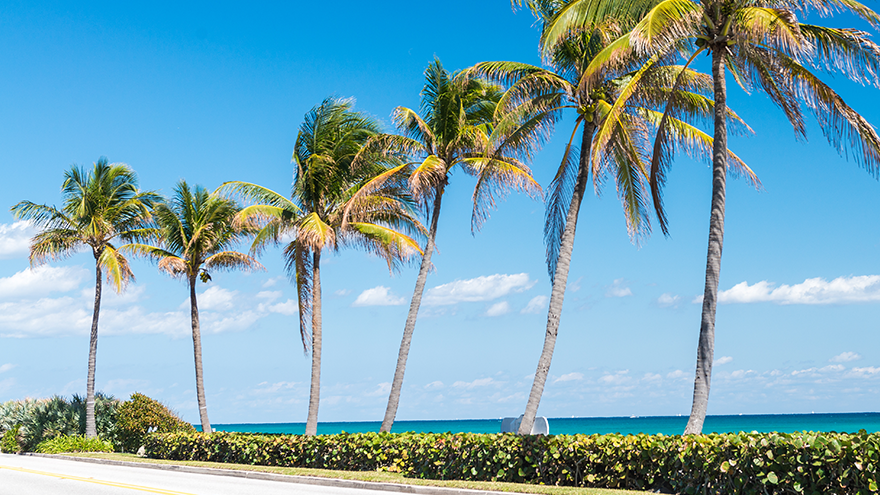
(762, 44)
(196, 232)
(616, 108)
(459, 126)
(99, 207)
(345, 193)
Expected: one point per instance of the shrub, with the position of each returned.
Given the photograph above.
(141, 415)
(74, 443)
(746, 463)
(10, 441)
(44, 419)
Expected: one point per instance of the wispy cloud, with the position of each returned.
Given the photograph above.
(845, 357)
(484, 288)
(42, 281)
(618, 289)
(538, 304)
(480, 382)
(569, 377)
(498, 309)
(6, 367)
(723, 360)
(841, 290)
(668, 300)
(378, 296)
(15, 239)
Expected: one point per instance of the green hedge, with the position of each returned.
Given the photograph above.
(74, 443)
(747, 463)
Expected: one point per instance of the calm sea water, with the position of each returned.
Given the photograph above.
(668, 425)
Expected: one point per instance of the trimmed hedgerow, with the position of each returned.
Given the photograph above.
(746, 463)
(141, 415)
(74, 443)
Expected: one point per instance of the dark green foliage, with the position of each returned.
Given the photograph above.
(10, 444)
(46, 419)
(74, 443)
(745, 463)
(141, 415)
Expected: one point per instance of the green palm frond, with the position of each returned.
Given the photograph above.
(116, 268)
(496, 177)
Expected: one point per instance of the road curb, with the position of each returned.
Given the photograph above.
(283, 478)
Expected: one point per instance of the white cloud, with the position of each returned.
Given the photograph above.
(6, 367)
(574, 286)
(677, 374)
(867, 371)
(269, 295)
(618, 289)
(484, 288)
(42, 281)
(498, 309)
(378, 296)
(272, 281)
(288, 308)
(216, 298)
(342, 292)
(845, 357)
(841, 290)
(668, 300)
(15, 239)
(723, 360)
(434, 385)
(618, 378)
(480, 382)
(538, 304)
(569, 377)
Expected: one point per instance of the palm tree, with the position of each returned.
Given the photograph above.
(99, 207)
(344, 194)
(762, 44)
(459, 126)
(196, 230)
(615, 110)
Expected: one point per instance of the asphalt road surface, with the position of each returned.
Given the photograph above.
(27, 475)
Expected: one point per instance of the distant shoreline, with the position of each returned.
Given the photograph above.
(667, 425)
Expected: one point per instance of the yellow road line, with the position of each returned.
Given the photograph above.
(98, 482)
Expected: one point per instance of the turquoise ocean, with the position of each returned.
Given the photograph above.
(667, 425)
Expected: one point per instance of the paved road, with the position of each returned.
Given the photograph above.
(26, 475)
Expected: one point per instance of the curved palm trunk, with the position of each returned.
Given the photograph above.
(315, 389)
(397, 384)
(706, 346)
(91, 428)
(560, 278)
(197, 351)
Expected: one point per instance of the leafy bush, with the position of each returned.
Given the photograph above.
(74, 443)
(10, 442)
(44, 419)
(746, 463)
(142, 415)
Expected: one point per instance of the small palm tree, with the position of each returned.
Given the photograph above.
(344, 194)
(459, 126)
(100, 206)
(196, 230)
(762, 44)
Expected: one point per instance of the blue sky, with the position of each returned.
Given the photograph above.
(215, 92)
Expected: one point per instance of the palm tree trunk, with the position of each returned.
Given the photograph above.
(197, 351)
(315, 391)
(706, 346)
(560, 278)
(91, 428)
(397, 384)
